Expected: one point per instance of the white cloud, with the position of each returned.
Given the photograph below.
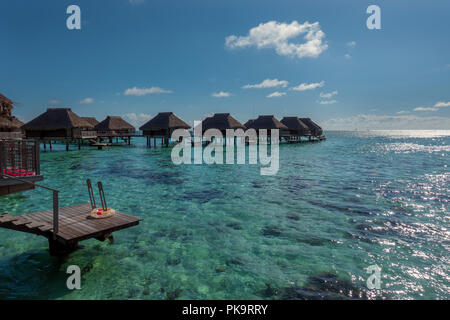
(134, 2)
(221, 94)
(268, 83)
(351, 44)
(387, 122)
(426, 109)
(442, 104)
(87, 101)
(328, 95)
(54, 102)
(144, 91)
(327, 101)
(308, 86)
(277, 35)
(347, 56)
(402, 112)
(137, 120)
(276, 94)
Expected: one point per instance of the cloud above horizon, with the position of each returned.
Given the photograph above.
(308, 86)
(436, 107)
(135, 2)
(279, 36)
(442, 104)
(54, 102)
(135, 91)
(267, 83)
(276, 94)
(328, 95)
(386, 122)
(221, 94)
(327, 101)
(87, 101)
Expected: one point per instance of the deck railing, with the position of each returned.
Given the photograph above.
(10, 135)
(113, 133)
(85, 134)
(19, 157)
(55, 200)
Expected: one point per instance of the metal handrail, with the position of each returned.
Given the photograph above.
(55, 201)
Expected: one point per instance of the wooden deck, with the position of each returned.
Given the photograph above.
(75, 224)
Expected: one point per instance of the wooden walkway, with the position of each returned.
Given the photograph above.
(75, 224)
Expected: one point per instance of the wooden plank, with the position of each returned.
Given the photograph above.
(35, 224)
(7, 218)
(21, 221)
(75, 223)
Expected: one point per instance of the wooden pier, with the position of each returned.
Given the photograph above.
(74, 225)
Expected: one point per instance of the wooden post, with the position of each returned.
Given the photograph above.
(67, 145)
(50, 144)
(79, 144)
(45, 146)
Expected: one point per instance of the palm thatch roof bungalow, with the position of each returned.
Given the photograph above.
(18, 158)
(269, 123)
(221, 122)
(59, 124)
(115, 126)
(314, 128)
(162, 126)
(296, 129)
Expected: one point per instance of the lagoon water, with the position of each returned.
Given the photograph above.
(226, 232)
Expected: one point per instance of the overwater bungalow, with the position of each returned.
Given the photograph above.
(18, 158)
(115, 127)
(314, 128)
(162, 126)
(267, 122)
(59, 124)
(296, 129)
(221, 122)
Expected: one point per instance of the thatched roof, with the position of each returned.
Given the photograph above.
(249, 123)
(91, 120)
(266, 122)
(114, 123)
(6, 106)
(313, 127)
(164, 120)
(221, 121)
(295, 124)
(57, 119)
(7, 124)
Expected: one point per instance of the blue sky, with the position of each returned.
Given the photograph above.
(135, 58)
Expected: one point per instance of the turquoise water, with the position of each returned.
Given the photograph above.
(226, 232)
